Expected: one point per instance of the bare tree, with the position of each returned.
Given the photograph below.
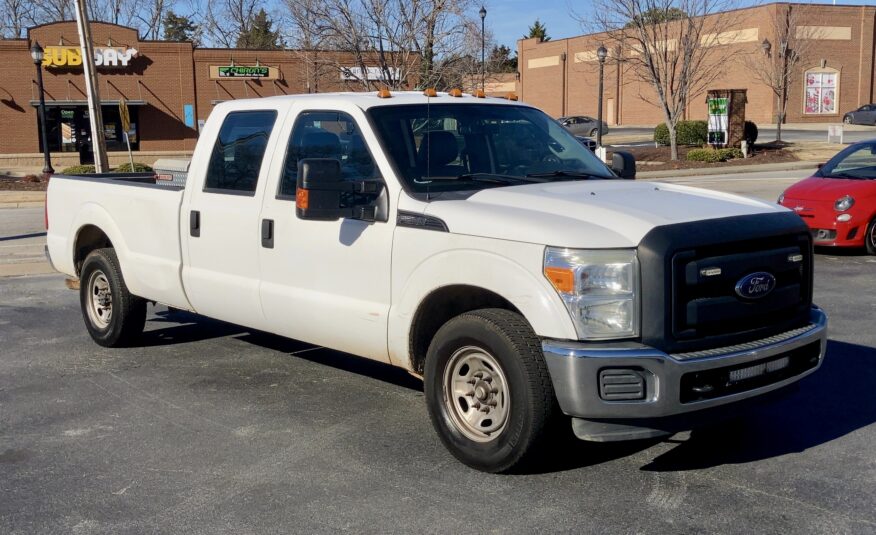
(53, 10)
(384, 42)
(777, 64)
(151, 18)
(667, 44)
(225, 20)
(18, 15)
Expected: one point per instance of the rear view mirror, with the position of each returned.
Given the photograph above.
(319, 186)
(624, 164)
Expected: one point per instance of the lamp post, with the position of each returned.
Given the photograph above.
(601, 54)
(483, 13)
(37, 53)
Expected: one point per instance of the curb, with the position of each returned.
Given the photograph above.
(23, 204)
(731, 169)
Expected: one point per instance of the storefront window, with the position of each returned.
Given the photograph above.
(822, 88)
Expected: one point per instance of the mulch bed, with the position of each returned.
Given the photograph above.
(28, 183)
(657, 158)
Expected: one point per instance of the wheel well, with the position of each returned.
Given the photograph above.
(441, 306)
(89, 238)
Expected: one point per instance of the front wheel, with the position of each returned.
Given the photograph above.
(112, 315)
(594, 132)
(847, 119)
(488, 390)
(871, 237)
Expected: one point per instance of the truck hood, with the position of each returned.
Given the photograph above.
(591, 214)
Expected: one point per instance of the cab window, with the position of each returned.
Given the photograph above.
(239, 151)
(322, 134)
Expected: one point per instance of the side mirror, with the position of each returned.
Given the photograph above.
(319, 187)
(624, 164)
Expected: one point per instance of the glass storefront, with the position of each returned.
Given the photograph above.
(68, 128)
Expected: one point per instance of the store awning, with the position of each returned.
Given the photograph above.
(63, 103)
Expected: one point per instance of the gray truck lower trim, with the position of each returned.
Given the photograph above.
(575, 372)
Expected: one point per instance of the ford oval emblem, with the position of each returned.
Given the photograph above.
(755, 285)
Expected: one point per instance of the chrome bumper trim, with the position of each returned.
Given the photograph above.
(574, 369)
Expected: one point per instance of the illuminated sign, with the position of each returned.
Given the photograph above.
(104, 56)
(243, 72)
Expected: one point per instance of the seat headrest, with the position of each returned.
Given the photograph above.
(438, 148)
(321, 144)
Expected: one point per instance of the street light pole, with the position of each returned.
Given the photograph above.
(483, 13)
(601, 54)
(37, 53)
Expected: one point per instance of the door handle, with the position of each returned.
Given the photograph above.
(195, 223)
(268, 233)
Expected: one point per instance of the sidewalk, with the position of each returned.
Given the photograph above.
(22, 199)
(730, 169)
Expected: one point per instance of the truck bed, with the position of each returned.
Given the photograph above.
(140, 218)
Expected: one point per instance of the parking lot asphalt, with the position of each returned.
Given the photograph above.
(212, 428)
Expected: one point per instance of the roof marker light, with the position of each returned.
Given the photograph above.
(384, 93)
(479, 94)
(511, 96)
(455, 92)
(430, 92)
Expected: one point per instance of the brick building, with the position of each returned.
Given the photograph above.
(170, 88)
(560, 76)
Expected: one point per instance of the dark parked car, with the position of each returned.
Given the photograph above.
(866, 114)
(588, 142)
(581, 125)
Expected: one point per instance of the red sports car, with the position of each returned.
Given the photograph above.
(838, 202)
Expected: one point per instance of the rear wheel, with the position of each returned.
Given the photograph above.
(488, 391)
(871, 237)
(112, 315)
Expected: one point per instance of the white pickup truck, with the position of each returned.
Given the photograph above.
(471, 241)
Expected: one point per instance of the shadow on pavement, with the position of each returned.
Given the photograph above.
(836, 400)
(184, 327)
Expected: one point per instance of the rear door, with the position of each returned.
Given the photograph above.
(327, 282)
(220, 220)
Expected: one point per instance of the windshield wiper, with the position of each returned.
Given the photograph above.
(500, 179)
(569, 174)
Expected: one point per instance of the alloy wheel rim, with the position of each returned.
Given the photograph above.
(873, 234)
(476, 394)
(100, 300)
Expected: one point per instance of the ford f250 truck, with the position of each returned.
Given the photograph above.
(471, 241)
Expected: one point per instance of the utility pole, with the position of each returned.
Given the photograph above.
(98, 143)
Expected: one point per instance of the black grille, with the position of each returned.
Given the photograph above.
(705, 302)
(687, 307)
(718, 382)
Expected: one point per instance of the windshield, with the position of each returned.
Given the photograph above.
(857, 161)
(452, 147)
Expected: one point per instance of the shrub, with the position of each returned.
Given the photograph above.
(730, 153)
(78, 170)
(750, 133)
(686, 133)
(704, 155)
(138, 168)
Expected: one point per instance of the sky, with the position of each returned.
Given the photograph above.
(509, 20)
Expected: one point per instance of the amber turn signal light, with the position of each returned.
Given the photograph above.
(563, 279)
(302, 198)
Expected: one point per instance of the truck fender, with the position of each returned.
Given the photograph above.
(92, 214)
(531, 294)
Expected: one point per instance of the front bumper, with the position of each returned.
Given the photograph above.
(669, 379)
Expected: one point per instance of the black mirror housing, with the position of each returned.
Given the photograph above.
(624, 164)
(319, 187)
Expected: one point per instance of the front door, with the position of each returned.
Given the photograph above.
(220, 220)
(326, 282)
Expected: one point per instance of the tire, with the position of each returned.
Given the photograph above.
(870, 239)
(113, 317)
(594, 132)
(513, 391)
(847, 119)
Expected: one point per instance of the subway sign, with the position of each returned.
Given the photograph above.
(112, 57)
(243, 72)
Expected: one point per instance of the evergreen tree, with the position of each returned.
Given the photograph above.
(259, 35)
(537, 30)
(179, 28)
(500, 59)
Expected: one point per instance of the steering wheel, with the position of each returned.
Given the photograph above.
(551, 158)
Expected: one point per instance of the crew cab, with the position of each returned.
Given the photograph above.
(471, 241)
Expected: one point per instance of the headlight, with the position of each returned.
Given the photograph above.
(781, 198)
(844, 203)
(600, 289)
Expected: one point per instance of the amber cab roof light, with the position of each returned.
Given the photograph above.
(384, 93)
(430, 92)
(511, 96)
(455, 92)
(479, 94)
